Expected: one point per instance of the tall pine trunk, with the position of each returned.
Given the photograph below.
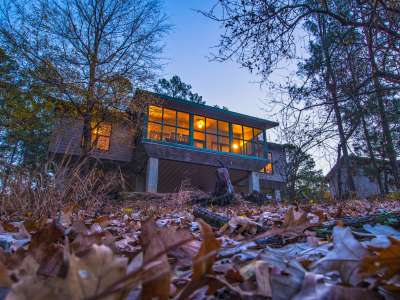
(388, 140)
(331, 84)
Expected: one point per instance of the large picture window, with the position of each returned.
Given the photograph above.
(168, 125)
(247, 140)
(211, 134)
(101, 134)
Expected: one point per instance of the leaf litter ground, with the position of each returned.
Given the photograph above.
(152, 247)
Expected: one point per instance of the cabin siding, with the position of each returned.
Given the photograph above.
(66, 139)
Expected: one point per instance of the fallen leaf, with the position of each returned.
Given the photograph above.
(263, 279)
(202, 262)
(385, 261)
(344, 258)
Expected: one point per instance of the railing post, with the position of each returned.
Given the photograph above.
(191, 129)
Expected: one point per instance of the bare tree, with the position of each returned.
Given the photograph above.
(90, 54)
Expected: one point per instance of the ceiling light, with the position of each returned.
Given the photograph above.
(200, 124)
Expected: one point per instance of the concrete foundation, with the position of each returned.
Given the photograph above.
(254, 182)
(152, 175)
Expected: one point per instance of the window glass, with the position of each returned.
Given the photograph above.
(212, 142)
(198, 144)
(199, 123)
(199, 139)
(237, 146)
(269, 168)
(154, 131)
(103, 143)
(169, 116)
(223, 143)
(248, 133)
(101, 134)
(223, 128)
(169, 134)
(182, 136)
(237, 131)
(249, 148)
(183, 119)
(155, 113)
(211, 126)
(104, 129)
(258, 134)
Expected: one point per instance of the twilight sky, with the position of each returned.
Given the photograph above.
(188, 47)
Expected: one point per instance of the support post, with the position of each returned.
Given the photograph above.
(254, 182)
(152, 175)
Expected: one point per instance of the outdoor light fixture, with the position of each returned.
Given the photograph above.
(235, 146)
(200, 124)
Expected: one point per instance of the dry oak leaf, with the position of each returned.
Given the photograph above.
(157, 242)
(203, 262)
(89, 275)
(345, 257)
(385, 262)
(86, 278)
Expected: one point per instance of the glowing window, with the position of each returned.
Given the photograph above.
(212, 142)
(248, 133)
(183, 120)
(199, 139)
(211, 126)
(101, 134)
(169, 133)
(169, 117)
(155, 114)
(199, 123)
(223, 143)
(223, 128)
(237, 131)
(182, 135)
(269, 167)
(154, 131)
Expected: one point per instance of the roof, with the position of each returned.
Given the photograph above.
(211, 111)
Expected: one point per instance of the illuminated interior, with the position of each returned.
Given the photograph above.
(169, 125)
(268, 169)
(101, 134)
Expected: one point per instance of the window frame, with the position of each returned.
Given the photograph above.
(256, 149)
(95, 141)
(164, 124)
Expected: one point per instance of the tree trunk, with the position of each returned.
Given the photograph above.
(331, 83)
(388, 140)
(356, 100)
(339, 174)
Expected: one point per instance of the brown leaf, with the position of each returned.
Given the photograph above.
(157, 278)
(202, 262)
(345, 256)
(91, 274)
(386, 261)
(263, 279)
(87, 277)
(294, 218)
(5, 280)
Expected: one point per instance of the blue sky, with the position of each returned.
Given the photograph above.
(188, 49)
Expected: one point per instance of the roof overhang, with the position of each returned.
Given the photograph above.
(210, 111)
